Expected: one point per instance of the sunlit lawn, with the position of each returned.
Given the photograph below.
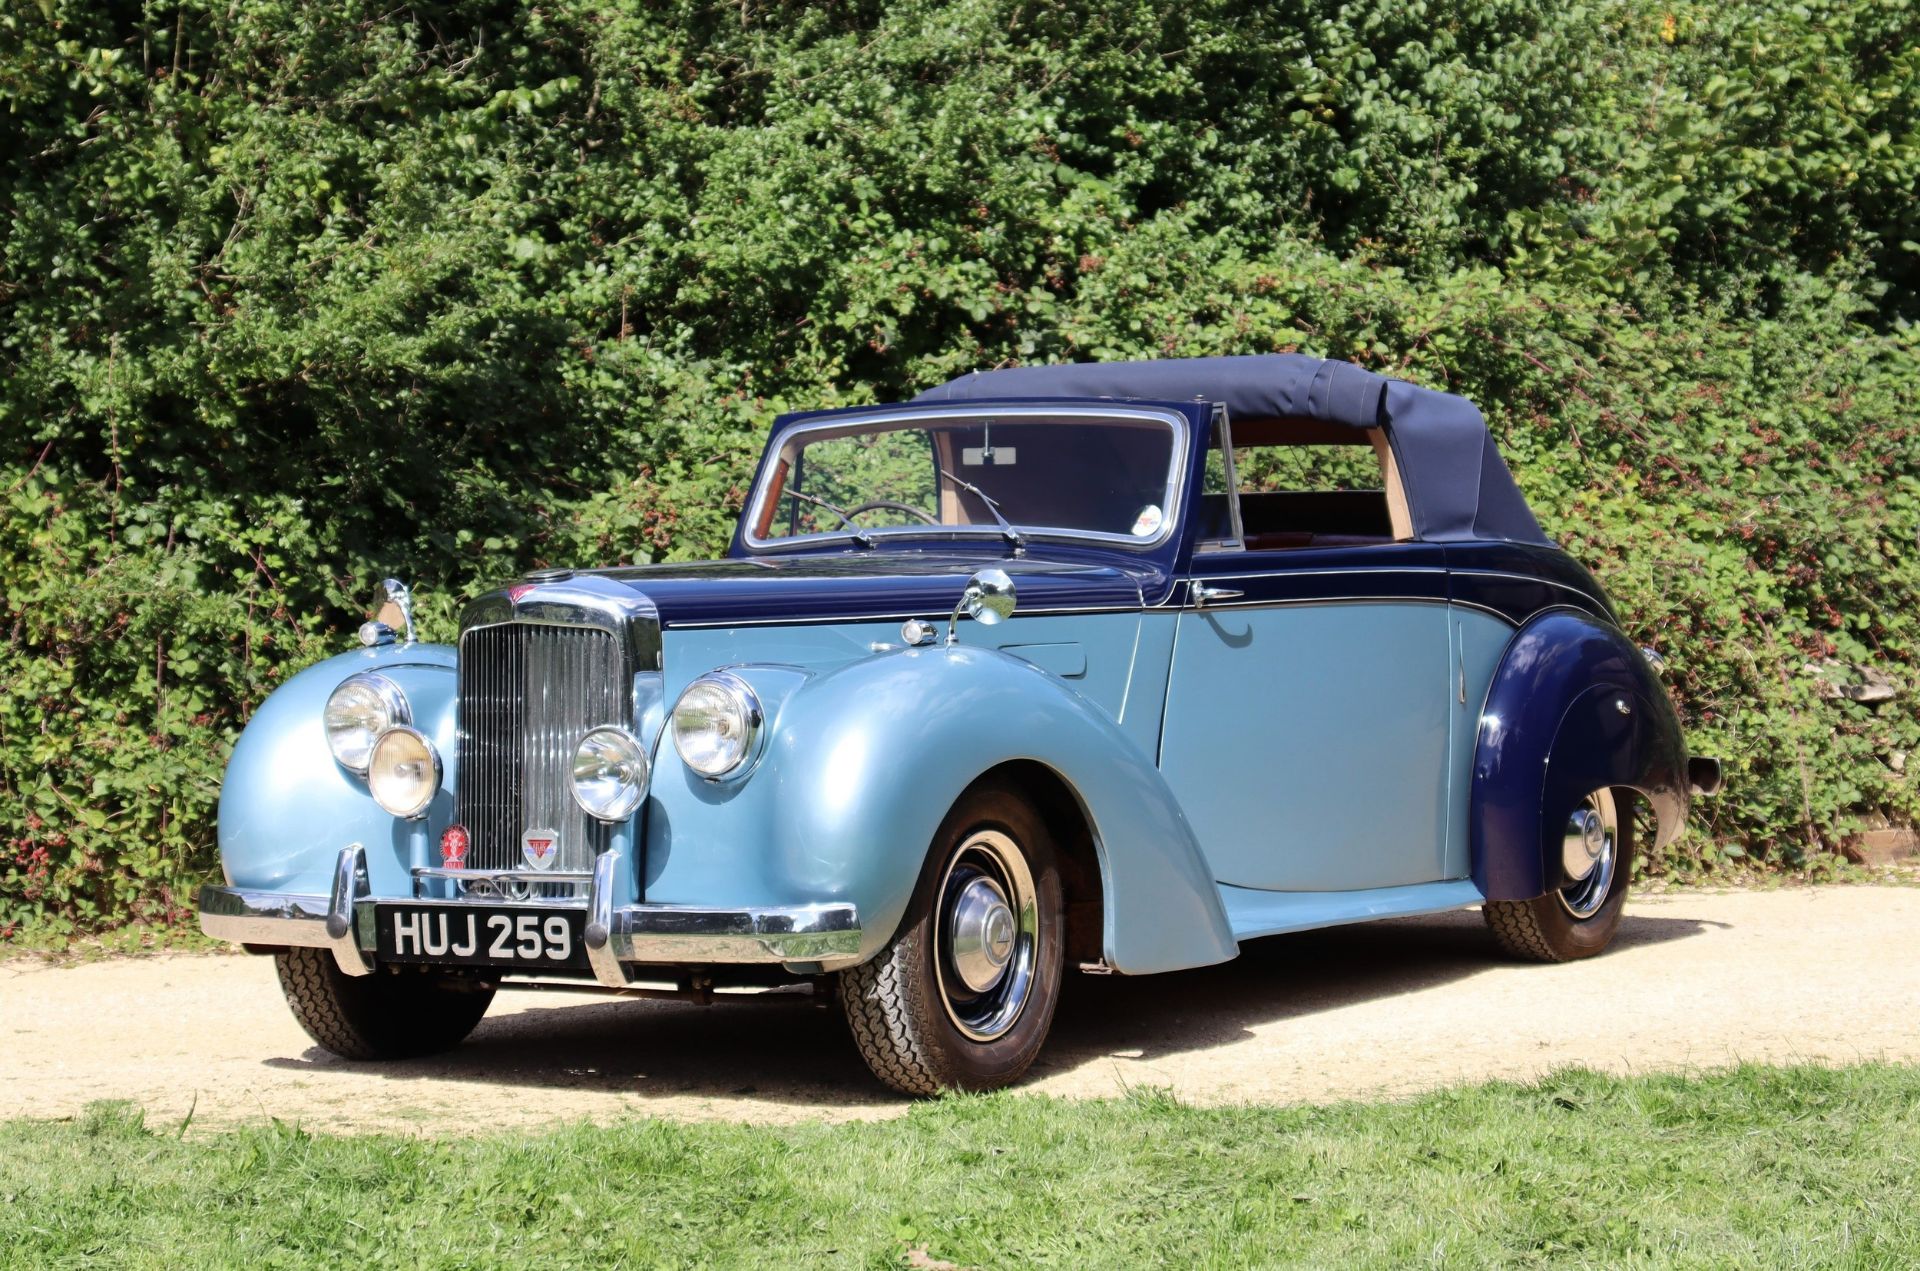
(1753, 1167)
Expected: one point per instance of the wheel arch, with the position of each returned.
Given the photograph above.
(1082, 868)
(865, 762)
(1573, 707)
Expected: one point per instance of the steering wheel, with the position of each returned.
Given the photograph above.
(888, 505)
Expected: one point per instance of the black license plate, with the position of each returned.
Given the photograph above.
(481, 935)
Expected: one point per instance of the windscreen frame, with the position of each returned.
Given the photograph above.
(851, 423)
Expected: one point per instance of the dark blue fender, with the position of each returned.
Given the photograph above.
(1573, 707)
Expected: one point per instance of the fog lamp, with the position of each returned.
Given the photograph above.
(403, 773)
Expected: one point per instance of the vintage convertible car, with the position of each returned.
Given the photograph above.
(1290, 651)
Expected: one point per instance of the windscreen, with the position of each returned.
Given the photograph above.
(1109, 476)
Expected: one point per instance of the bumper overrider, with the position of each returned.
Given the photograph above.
(819, 937)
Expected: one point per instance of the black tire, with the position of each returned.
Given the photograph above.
(383, 1015)
(895, 1003)
(1545, 930)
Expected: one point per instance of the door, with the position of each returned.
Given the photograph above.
(1308, 708)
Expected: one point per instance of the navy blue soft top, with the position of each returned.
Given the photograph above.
(1458, 487)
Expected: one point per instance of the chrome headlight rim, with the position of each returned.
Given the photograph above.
(753, 718)
(396, 710)
(632, 793)
(416, 808)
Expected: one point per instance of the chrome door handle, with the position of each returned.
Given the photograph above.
(1203, 596)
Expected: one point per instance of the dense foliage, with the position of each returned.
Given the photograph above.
(298, 295)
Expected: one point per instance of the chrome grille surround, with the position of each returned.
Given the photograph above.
(541, 665)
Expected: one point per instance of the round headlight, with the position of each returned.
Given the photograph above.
(610, 773)
(717, 725)
(403, 774)
(363, 707)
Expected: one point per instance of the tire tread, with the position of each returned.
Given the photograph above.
(885, 1026)
(892, 1006)
(377, 1017)
(311, 984)
(1517, 930)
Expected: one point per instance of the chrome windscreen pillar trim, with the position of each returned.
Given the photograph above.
(600, 952)
(349, 885)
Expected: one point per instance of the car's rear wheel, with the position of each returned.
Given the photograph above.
(1579, 918)
(963, 995)
(379, 1016)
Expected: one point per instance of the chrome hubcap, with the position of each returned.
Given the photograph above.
(986, 935)
(1588, 852)
(981, 934)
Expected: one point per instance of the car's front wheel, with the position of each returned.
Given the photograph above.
(379, 1016)
(1579, 919)
(963, 995)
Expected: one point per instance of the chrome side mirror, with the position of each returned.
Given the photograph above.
(400, 599)
(988, 599)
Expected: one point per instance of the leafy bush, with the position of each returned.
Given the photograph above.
(301, 295)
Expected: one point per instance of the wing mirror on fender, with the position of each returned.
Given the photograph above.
(988, 599)
(399, 605)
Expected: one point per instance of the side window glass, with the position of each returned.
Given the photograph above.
(1218, 516)
(1214, 479)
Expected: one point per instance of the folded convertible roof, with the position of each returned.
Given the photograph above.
(1458, 487)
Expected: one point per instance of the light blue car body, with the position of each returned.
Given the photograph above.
(1313, 752)
(870, 748)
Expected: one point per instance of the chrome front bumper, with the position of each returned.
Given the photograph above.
(821, 936)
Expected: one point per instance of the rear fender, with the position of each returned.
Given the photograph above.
(1573, 707)
(863, 764)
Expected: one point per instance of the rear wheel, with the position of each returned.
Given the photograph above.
(963, 995)
(379, 1016)
(1579, 919)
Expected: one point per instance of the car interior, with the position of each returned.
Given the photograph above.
(1304, 483)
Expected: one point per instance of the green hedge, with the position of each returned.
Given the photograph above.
(299, 295)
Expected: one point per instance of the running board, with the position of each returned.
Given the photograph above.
(1254, 913)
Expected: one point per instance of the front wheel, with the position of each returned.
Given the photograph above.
(1579, 919)
(379, 1016)
(963, 995)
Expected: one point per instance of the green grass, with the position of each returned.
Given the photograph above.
(1751, 1167)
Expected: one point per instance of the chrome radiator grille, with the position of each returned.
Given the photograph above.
(528, 693)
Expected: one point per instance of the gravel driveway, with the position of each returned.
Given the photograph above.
(1696, 980)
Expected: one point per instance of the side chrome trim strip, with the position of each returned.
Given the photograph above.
(895, 616)
(1470, 572)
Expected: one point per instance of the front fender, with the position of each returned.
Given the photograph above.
(863, 764)
(286, 808)
(1553, 730)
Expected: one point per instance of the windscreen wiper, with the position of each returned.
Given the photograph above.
(1006, 526)
(860, 536)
